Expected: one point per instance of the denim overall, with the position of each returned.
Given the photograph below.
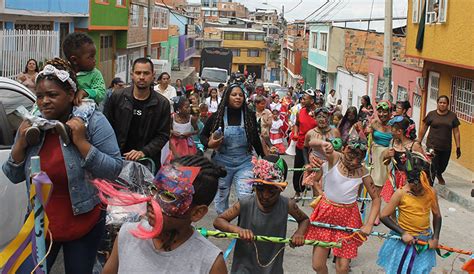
(234, 156)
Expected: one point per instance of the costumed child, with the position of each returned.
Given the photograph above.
(263, 213)
(276, 133)
(183, 128)
(182, 192)
(396, 156)
(342, 175)
(415, 200)
(80, 52)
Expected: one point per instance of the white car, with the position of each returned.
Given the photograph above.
(13, 197)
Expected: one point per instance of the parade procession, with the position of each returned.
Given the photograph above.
(213, 136)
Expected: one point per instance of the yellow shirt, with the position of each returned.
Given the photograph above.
(414, 213)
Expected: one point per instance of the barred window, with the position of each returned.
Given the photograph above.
(402, 94)
(135, 16)
(462, 98)
(434, 86)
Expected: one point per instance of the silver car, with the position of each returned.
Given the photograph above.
(13, 197)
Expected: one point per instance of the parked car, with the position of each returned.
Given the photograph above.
(13, 197)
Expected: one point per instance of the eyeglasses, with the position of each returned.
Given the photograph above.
(383, 105)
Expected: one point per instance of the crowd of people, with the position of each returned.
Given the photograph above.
(84, 133)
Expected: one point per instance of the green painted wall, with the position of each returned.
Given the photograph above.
(109, 15)
(309, 74)
(172, 43)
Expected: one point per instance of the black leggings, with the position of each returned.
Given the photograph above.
(441, 160)
(299, 162)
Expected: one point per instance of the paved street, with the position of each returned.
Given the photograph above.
(457, 231)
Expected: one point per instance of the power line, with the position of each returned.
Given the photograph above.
(292, 9)
(171, 11)
(323, 16)
(322, 6)
(366, 37)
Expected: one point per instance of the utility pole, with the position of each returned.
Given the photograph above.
(282, 39)
(387, 53)
(148, 32)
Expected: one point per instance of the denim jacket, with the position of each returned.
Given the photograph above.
(102, 161)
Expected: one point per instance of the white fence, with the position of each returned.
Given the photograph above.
(17, 46)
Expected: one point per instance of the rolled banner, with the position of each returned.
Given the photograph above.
(269, 239)
(303, 169)
(359, 199)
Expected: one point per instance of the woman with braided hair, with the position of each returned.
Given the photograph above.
(75, 216)
(232, 133)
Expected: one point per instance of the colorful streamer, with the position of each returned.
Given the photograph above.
(387, 236)
(269, 239)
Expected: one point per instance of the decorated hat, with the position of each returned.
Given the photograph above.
(271, 170)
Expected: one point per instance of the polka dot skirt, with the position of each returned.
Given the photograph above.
(325, 212)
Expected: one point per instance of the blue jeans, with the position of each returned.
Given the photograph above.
(237, 175)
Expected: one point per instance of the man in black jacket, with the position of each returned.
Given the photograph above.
(139, 115)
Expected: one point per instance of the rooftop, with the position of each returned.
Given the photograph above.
(240, 30)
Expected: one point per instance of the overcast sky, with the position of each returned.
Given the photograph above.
(338, 9)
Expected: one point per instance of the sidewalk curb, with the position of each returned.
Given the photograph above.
(452, 196)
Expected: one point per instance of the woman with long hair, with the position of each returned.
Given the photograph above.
(443, 124)
(350, 119)
(28, 76)
(76, 217)
(366, 110)
(232, 133)
(213, 100)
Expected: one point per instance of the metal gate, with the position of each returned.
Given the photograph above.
(17, 46)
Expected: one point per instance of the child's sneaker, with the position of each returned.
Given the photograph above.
(64, 132)
(32, 136)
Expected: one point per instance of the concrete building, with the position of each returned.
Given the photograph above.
(447, 51)
(232, 9)
(107, 25)
(248, 48)
(325, 54)
(350, 88)
(193, 10)
(59, 15)
(405, 84)
(265, 16)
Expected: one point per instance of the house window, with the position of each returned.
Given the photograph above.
(462, 97)
(323, 45)
(119, 3)
(314, 40)
(255, 36)
(292, 57)
(145, 17)
(189, 42)
(433, 89)
(121, 64)
(402, 94)
(416, 100)
(235, 52)
(417, 9)
(135, 16)
(253, 53)
(350, 95)
(233, 36)
(160, 18)
(436, 11)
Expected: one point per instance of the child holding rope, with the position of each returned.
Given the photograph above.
(264, 213)
(342, 175)
(414, 201)
(182, 192)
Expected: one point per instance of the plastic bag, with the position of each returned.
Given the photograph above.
(135, 177)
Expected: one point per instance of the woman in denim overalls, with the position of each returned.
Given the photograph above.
(235, 145)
